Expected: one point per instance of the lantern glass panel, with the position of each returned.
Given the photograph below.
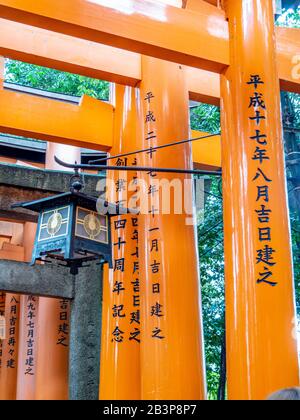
(91, 225)
(54, 223)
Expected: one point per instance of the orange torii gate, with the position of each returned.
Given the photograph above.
(201, 39)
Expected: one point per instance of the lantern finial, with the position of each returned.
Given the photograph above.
(76, 184)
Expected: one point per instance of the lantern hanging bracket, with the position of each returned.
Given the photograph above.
(148, 169)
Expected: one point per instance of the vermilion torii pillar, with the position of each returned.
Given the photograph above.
(2, 326)
(27, 356)
(27, 349)
(260, 310)
(172, 365)
(8, 380)
(121, 335)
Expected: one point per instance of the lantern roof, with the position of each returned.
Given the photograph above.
(80, 199)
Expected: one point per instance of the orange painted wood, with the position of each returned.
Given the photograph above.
(10, 346)
(288, 58)
(203, 86)
(66, 53)
(12, 252)
(157, 30)
(120, 376)
(88, 125)
(2, 64)
(27, 357)
(196, 5)
(172, 367)
(52, 358)
(8, 377)
(260, 308)
(2, 314)
(206, 151)
(23, 43)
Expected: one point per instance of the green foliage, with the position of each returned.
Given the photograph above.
(54, 80)
(295, 222)
(295, 101)
(290, 18)
(211, 254)
(205, 118)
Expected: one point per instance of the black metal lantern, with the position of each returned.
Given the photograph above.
(71, 229)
